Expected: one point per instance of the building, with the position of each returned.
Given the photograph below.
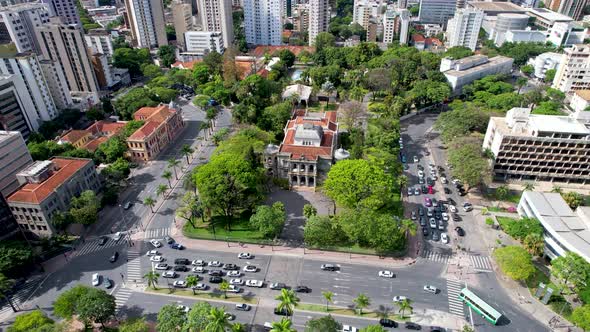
(56, 82)
(102, 70)
(544, 62)
(263, 22)
(436, 11)
(100, 41)
(14, 105)
(28, 68)
(216, 15)
(524, 36)
(319, 18)
(464, 71)
(463, 28)
(507, 22)
(564, 230)
(361, 13)
(540, 147)
(571, 8)
(429, 44)
(200, 43)
(396, 24)
(526, 3)
(574, 69)
(64, 44)
(161, 125)
(545, 18)
(146, 22)
(566, 34)
(18, 24)
(47, 188)
(91, 137)
(307, 151)
(404, 26)
(64, 9)
(491, 11)
(182, 15)
(301, 18)
(580, 100)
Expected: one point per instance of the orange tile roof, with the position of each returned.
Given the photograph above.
(153, 117)
(185, 65)
(244, 68)
(74, 136)
(93, 144)
(109, 127)
(416, 38)
(35, 193)
(327, 122)
(261, 50)
(144, 131)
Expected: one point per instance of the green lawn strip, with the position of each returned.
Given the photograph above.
(355, 249)
(203, 295)
(240, 231)
(557, 302)
(347, 312)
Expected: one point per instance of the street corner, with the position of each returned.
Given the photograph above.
(428, 317)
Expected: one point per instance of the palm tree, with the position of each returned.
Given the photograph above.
(288, 301)
(224, 286)
(238, 327)
(520, 83)
(284, 325)
(407, 226)
(328, 297)
(361, 301)
(172, 163)
(149, 201)
(402, 180)
(218, 320)
(5, 285)
(534, 244)
(328, 87)
(152, 278)
(405, 305)
(186, 151)
(529, 186)
(161, 190)
(192, 281)
(167, 175)
(205, 126)
(556, 189)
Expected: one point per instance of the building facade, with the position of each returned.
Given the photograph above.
(319, 18)
(47, 187)
(18, 24)
(301, 18)
(436, 11)
(263, 22)
(64, 9)
(56, 82)
(14, 103)
(545, 18)
(574, 69)
(200, 43)
(544, 62)
(571, 8)
(147, 23)
(182, 15)
(100, 41)
(464, 71)
(540, 147)
(580, 100)
(463, 28)
(506, 22)
(216, 15)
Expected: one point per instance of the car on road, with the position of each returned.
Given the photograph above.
(200, 286)
(254, 283)
(176, 246)
(96, 279)
(182, 261)
(452, 208)
(156, 258)
(179, 284)
(199, 262)
(180, 268)
(169, 274)
(435, 236)
(217, 273)
(245, 255)
(243, 307)
(215, 280)
(410, 191)
(427, 201)
(399, 298)
(199, 269)
(103, 240)
(278, 286)
(413, 216)
(161, 266)
(385, 322)
(215, 264)
(152, 253)
(348, 328)
(456, 217)
(234, 289)
(168, 239)
(459, 231)
(420, 173)
(444, 238)
(386, 274)
(447, 190)
(250, 268)
(127, 205)
(234, 273)
(432, 223)
(329, 267)
(108, 283)
(413, 326)
(302, 289)
(117, 236)
(231, 266)
(425, 231)
(236, 281)
(430, 289)
(467, 207)
(445, 216)
(114, 257)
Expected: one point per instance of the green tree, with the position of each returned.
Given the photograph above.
(170, 319)
(573, 199)
(323, 40)
(520, 83)
(549, 75)
(5, 286)
(218, 320)
(469, 163)
(223, 287)
(287, 57)
(186, 151)
(309, 211)
(361, 302)
(529, 186)
(15, 258)
(458, 52)
(192, 281)
(149, 201)
(35, 320)
(321, 231)
(373, 328)
(467, 328)
(328, 296)
(190, 208)
(238, 327)
(166, 53)
(323, 324)
(527, 69)
(581, 317)
(65, 304)
(152, 279)
(571, 270)
(96, 306)
(556, 189)
(405, 305)
(173, 163)
(269, 220)
(288, 301)
(161, 190)
(112, 149)
(534, 244)
(168, 176)
(131, 59)
(84, 208)
(284, 325)
(515, 262)
(134, 325)
(502, 192)
(197, 317)
(214, 62)
(151, 71)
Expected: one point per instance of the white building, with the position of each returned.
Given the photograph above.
(545, 18)
(564, 230)
(100, 41)
(389, 26)
(147, 23)
(405, 26)
(364, 10)
(431, 30)
(464, 71)
(552, 148)
(523, 36)
(544, 62)
(506, 22)
(463, 28)
(572, 8)
(263, 22)
(20, 22)
(200, 43)
(580, 100)
(574, 70)
(65, 9)
(15, 103)
(566, 34)
(182, 17)
(56, 82)
(216, 15)
(319, 18)
(436, 11)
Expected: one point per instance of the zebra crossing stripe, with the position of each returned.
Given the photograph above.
(435, 256)
(455, 304)
(481, 263)
(93, 246)
(22, 294)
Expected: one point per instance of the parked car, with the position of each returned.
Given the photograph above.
(156, 258)
(96, 279)
(230, 266)
(215, 264)
(179, 284)
(435, 236)
(108, 283)
(427, 201)
(199, 262)
(254, 283)
(168, 239)
(243, 307)
(245, 255)
(199, 269)
(444, 238)
(432, 223)
(348, 328)
(236, 281)
(152, 253)
(200, 286)
(127, 205)
(467, 207)
(459, 231)
(114, 257)
(180, 268)
(415, 159)
(447, 190)
(452, 208)
(215, 280)
(234, 273)
(282, 312)
(413, 216)
(425, 231)
(302, 289)
(217, 273)
(176, 246)
(182, 261)
(117, 236)
(161, 266)
(278, 286)
(234, 289)
(456, 217)
(169, 274)
(250, 268)
(413, 326)
(387, 322)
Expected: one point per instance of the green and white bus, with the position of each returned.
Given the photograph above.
(482, 308)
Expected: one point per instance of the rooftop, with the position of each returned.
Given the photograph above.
(8, 135)
(262, 50)
(74, 136)
(495, 61)
(496, 6)
(549, 15)
(303, 121)
(525, 124)
(153, 117)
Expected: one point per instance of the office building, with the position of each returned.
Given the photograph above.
(436, 11)
(263, 22)
(463, 28)
(102, 70)
(571, 8)
(64, 44)
(146, 22)
(56, 82)
(564, 230)
(64, 9)
(216, 15)
(544, 62)
(404, 26)
(506, 22)
(200, 43)
(566, 34)
(545, 18)
(18, 24)
(182, 16)
(574, 69)
(47, 187)
(100, 41)
(580, 100)
(15, 103)
(319, 18)
(361, 13)
(526, 146)
(464, 71)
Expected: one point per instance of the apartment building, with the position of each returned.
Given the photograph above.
(573, 72)
(182, 16)
(319, 18)
(396, 23)
(464, 71)
(571, 8)
(14, 103)
(56, 82)
(436, 11)
(100, 41)
(263, 22)
(18, 24)
(161, 125)
(216, 16)
(146, 22)
(463, 28)
(540, 147)
(47, 187)
(580, 100)
(200, 43)
(301, 17)
(64, 9)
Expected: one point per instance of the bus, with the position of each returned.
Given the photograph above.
(477, 304)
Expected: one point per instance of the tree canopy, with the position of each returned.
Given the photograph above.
(515, 262)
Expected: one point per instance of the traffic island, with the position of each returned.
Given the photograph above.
(382, 312)
(202, 295)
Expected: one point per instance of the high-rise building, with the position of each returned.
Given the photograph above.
(18, 24)
(396, 23)
(27, 67)
(200, 43)
(14, 104)
(404, 30)
(572, 8)
(146, 22)
(463, 28)
(361, 13)
(65, 9)
(262, 22)
(301, 17)
(216, 15)
(182, 16)
(319, 18)
(436, 11)
(100, 41)
(573, 72)
(64, 44)
(56, 81)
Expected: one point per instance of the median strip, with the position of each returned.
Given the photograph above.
(209, 296)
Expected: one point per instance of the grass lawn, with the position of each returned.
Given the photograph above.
(557, 303)
(355, 249)
(348, 312)
(203, 295)
(217, 230)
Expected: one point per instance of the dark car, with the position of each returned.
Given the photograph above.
(462, 193)
(168, 239)
(216, 273)
(108, 283)
(231, 267)
(114, 257)
(176, 246)
(215, 280)
(425, 231)
(447, 190)
(283, 312)
(436, 329)
(413, 326)
(422, 221)
(387, 322)
(441, 169)
(452, 201)
(456, 217)
(420, 167)
(459, 231)
(421, 211)
(406, 167)
(278, 286)
(180, 268)
(302, 289)
(182, 261)
(103, 240)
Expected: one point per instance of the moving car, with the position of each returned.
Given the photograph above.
(176, 246)
(245, 255)
(169, 274)
(96, 279)
(114, 257)
(108, 283)
(278, 286)
(467, 207)
(459, 231)
(127, 205)
(243, 307)
(103, 240)
(117, 236)
(399, 298)
(161, 266)
(413, 326)
(444, 238)
(234, 273)
(199, 269)
(329, 267)
(283, 312)
(200, 286)
(443, 180)
(254, 283)
(215, 280)
(215, 264)
(179, 284)
(250, 268)
(302, 289)
(181, 261)
(156, 258)
(387, 322)
(430, 289)
(386, 274)
(236, 281)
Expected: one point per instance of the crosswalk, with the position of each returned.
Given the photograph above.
(134, 267)
(122, 296)
(455, 304)
(481, 263)
(21, 295)
(92, 246)
(436, 256)
(156, 233)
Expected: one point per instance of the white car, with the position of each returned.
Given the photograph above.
(432, 223)
(243, 307)
(200, 286)
(236, 281)
(250, 268)
(199, 262)
(215, 264)
(397, 299)
(184, 308)
(444, 237)
(152, 253)
(155, 243)
(245, 255)
(443, 180)
(117, 236)
(161, 266)
(420, 173)
(169, 274)
(179, 284)
(95, 279)
(467, 207)
(348, 328)
(445, 216)
(198, 269)
(415, 159)
(234, 289)
(254, 283)
(430, 289)
(452, 208)
(156, 258)
(386, 274)
(234, 273)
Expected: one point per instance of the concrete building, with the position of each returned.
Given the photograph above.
(182, 15)
(100, 41)
(64, 9)
(319, 18)
(544, 62)
(200, 43)
(524, 36)
(437, 11)
(545, 18)
(540, 147)
(91, 137)
(263, 22)
(18, 24)
(491, 11)
(216, 15)
(464, 71)
(580, 100)
(161, 125)
(56, 82)
(27, 67)
(307, 151)
(396, 23)
(404, 31)
(64, 44)
(102, 70)
(564, 230)
(361, 13)
(574, 69)
(566, 34)
(301, 18)
(463, 28)
(47, 188)
(146, 22)
(571, 8)
(507, 22)
(14, 105)
(526, 3)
